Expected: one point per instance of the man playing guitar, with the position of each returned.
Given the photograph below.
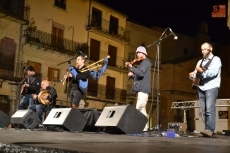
(210, 71)
(31, 86)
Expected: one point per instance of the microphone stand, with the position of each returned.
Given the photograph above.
(17, 94)
(67, 84)
(158, 42)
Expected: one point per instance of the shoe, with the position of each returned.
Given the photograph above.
(145, 130)
(207, 133)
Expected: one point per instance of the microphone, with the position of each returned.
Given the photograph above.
(82, 53)
(175, 37)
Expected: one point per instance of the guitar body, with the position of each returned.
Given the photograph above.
(24, 89)
(196, 81)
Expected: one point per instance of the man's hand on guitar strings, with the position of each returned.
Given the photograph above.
(191, 75)
(25, 85)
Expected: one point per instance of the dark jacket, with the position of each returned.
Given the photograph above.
(142, 73)
(34, 82)
(53, 95)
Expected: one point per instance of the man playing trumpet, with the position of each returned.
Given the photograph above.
(76, 76)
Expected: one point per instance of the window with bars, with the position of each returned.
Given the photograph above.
(96, 18)
(53, 74)
(113, 25)
(94, 49)
(7, 56)
(110, 87)
(60, 3)
(112, 51)
(57, 35)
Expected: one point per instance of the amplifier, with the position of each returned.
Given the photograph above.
(177, 126)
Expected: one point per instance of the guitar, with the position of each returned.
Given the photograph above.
(83, 84)
(24, 88)
(198, 76)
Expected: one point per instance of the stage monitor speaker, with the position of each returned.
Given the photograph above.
(123, 119)
(69, 119)
(4, 119)
(25, 119)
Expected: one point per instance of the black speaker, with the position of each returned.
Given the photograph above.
(123, 119)
(25, 119)
(69, 119)
(4, 119)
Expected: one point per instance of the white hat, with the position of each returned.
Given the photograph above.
(141, 49)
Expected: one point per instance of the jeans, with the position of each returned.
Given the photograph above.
(142, 99)
(27, 98)
(208, 106)
(39, 109)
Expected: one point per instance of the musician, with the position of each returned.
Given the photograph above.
(142, 76)
(31, 86)
(209, 86)
(77, 92)
(97, 74)
(49, 96)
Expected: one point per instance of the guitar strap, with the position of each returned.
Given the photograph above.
(208, 63)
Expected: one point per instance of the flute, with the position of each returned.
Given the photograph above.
(64, 80)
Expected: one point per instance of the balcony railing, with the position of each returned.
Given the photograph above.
(7, 66)
(12, 70)
(66, 46)
(106, 92)
(53, 42)
(103, 26)
(16, 9)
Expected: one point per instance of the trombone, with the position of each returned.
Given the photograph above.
(93, 65)
(89, 67)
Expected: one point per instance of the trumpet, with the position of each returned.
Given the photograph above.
(87, 68)
(93, 65)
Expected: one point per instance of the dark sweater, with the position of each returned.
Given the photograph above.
(142, 73)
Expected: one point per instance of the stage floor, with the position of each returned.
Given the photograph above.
(39, 140)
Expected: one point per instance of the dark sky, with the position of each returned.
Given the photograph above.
(182, 16)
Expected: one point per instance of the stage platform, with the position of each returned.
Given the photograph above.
(40, 140)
